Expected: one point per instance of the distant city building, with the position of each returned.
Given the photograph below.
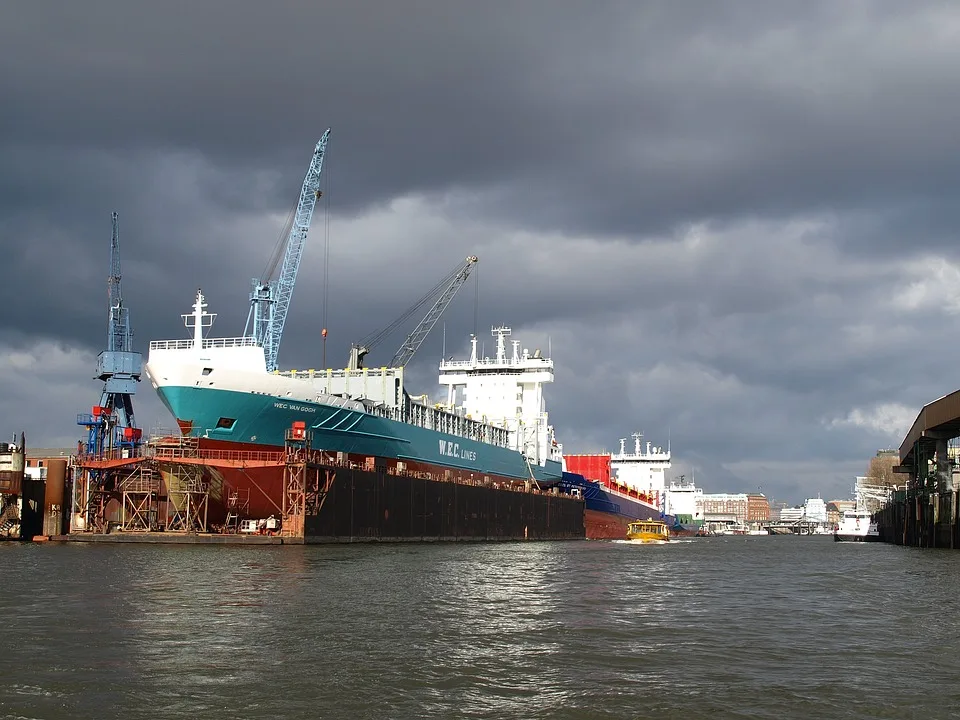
(775, 507)
(758, 508)
(725, 504)
(40, 457)
(791, 514)
(815, 510)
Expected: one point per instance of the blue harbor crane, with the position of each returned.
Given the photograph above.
(111, 424)
(270, 299)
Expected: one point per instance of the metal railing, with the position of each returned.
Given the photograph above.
(339, 373)
(177, 452)
(523, 363)
(234, 455)
(207, 343)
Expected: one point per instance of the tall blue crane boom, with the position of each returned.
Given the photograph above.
(270, 300)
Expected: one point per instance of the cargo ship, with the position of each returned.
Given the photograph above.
(621, 488)
(491, 433)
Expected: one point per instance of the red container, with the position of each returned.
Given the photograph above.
(592, 467)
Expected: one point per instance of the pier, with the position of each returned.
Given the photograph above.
(923, 511)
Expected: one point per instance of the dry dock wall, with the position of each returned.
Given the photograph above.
(373, 506)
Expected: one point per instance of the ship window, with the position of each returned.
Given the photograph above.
(226, 423)
(207, 371)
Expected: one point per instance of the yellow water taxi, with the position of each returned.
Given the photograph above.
(648, 531)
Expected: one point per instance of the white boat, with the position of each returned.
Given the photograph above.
(856, 526)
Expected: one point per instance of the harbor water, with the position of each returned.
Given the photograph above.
(729, 627)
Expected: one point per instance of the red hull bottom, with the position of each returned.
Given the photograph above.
(608, 526)
(605, 526)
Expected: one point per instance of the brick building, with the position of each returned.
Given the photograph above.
(724, 504)
(758, 508)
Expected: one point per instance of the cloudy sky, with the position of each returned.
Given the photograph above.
(733, 223)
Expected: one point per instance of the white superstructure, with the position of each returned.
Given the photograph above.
(506, 391)
(643, 469)
(815, 510)
(684, 499)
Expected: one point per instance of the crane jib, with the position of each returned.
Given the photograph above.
(270, 301)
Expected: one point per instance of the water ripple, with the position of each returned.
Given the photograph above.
(752, 628)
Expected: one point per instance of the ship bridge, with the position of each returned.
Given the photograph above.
(506, 390)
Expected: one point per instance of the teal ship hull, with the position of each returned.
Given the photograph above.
(251, 418)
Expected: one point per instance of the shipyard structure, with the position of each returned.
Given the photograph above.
(264, 455)
(332, 455)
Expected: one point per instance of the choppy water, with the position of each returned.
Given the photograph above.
(758, 627)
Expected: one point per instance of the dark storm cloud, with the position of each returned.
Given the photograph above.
(714, 212)
(622, 117)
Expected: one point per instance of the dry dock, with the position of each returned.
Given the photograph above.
(174, 491)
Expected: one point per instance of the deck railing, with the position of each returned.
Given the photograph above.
(207, 343)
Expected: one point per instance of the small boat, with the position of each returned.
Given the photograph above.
(857, 526)
(648, 531)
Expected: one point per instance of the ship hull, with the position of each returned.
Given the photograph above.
(855, 537)
(262, 420)
(607, 513)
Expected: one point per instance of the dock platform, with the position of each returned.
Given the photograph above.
(177, 538)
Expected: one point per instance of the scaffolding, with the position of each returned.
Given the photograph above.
(305, 480)
(144, 490)
(139, 489)
(238, 508)
(93, 491)
(188, 498)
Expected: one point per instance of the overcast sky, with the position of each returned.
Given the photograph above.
(734, 223)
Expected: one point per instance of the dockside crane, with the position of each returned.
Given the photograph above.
(111, 424)
(270, 299)
(447, 288)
